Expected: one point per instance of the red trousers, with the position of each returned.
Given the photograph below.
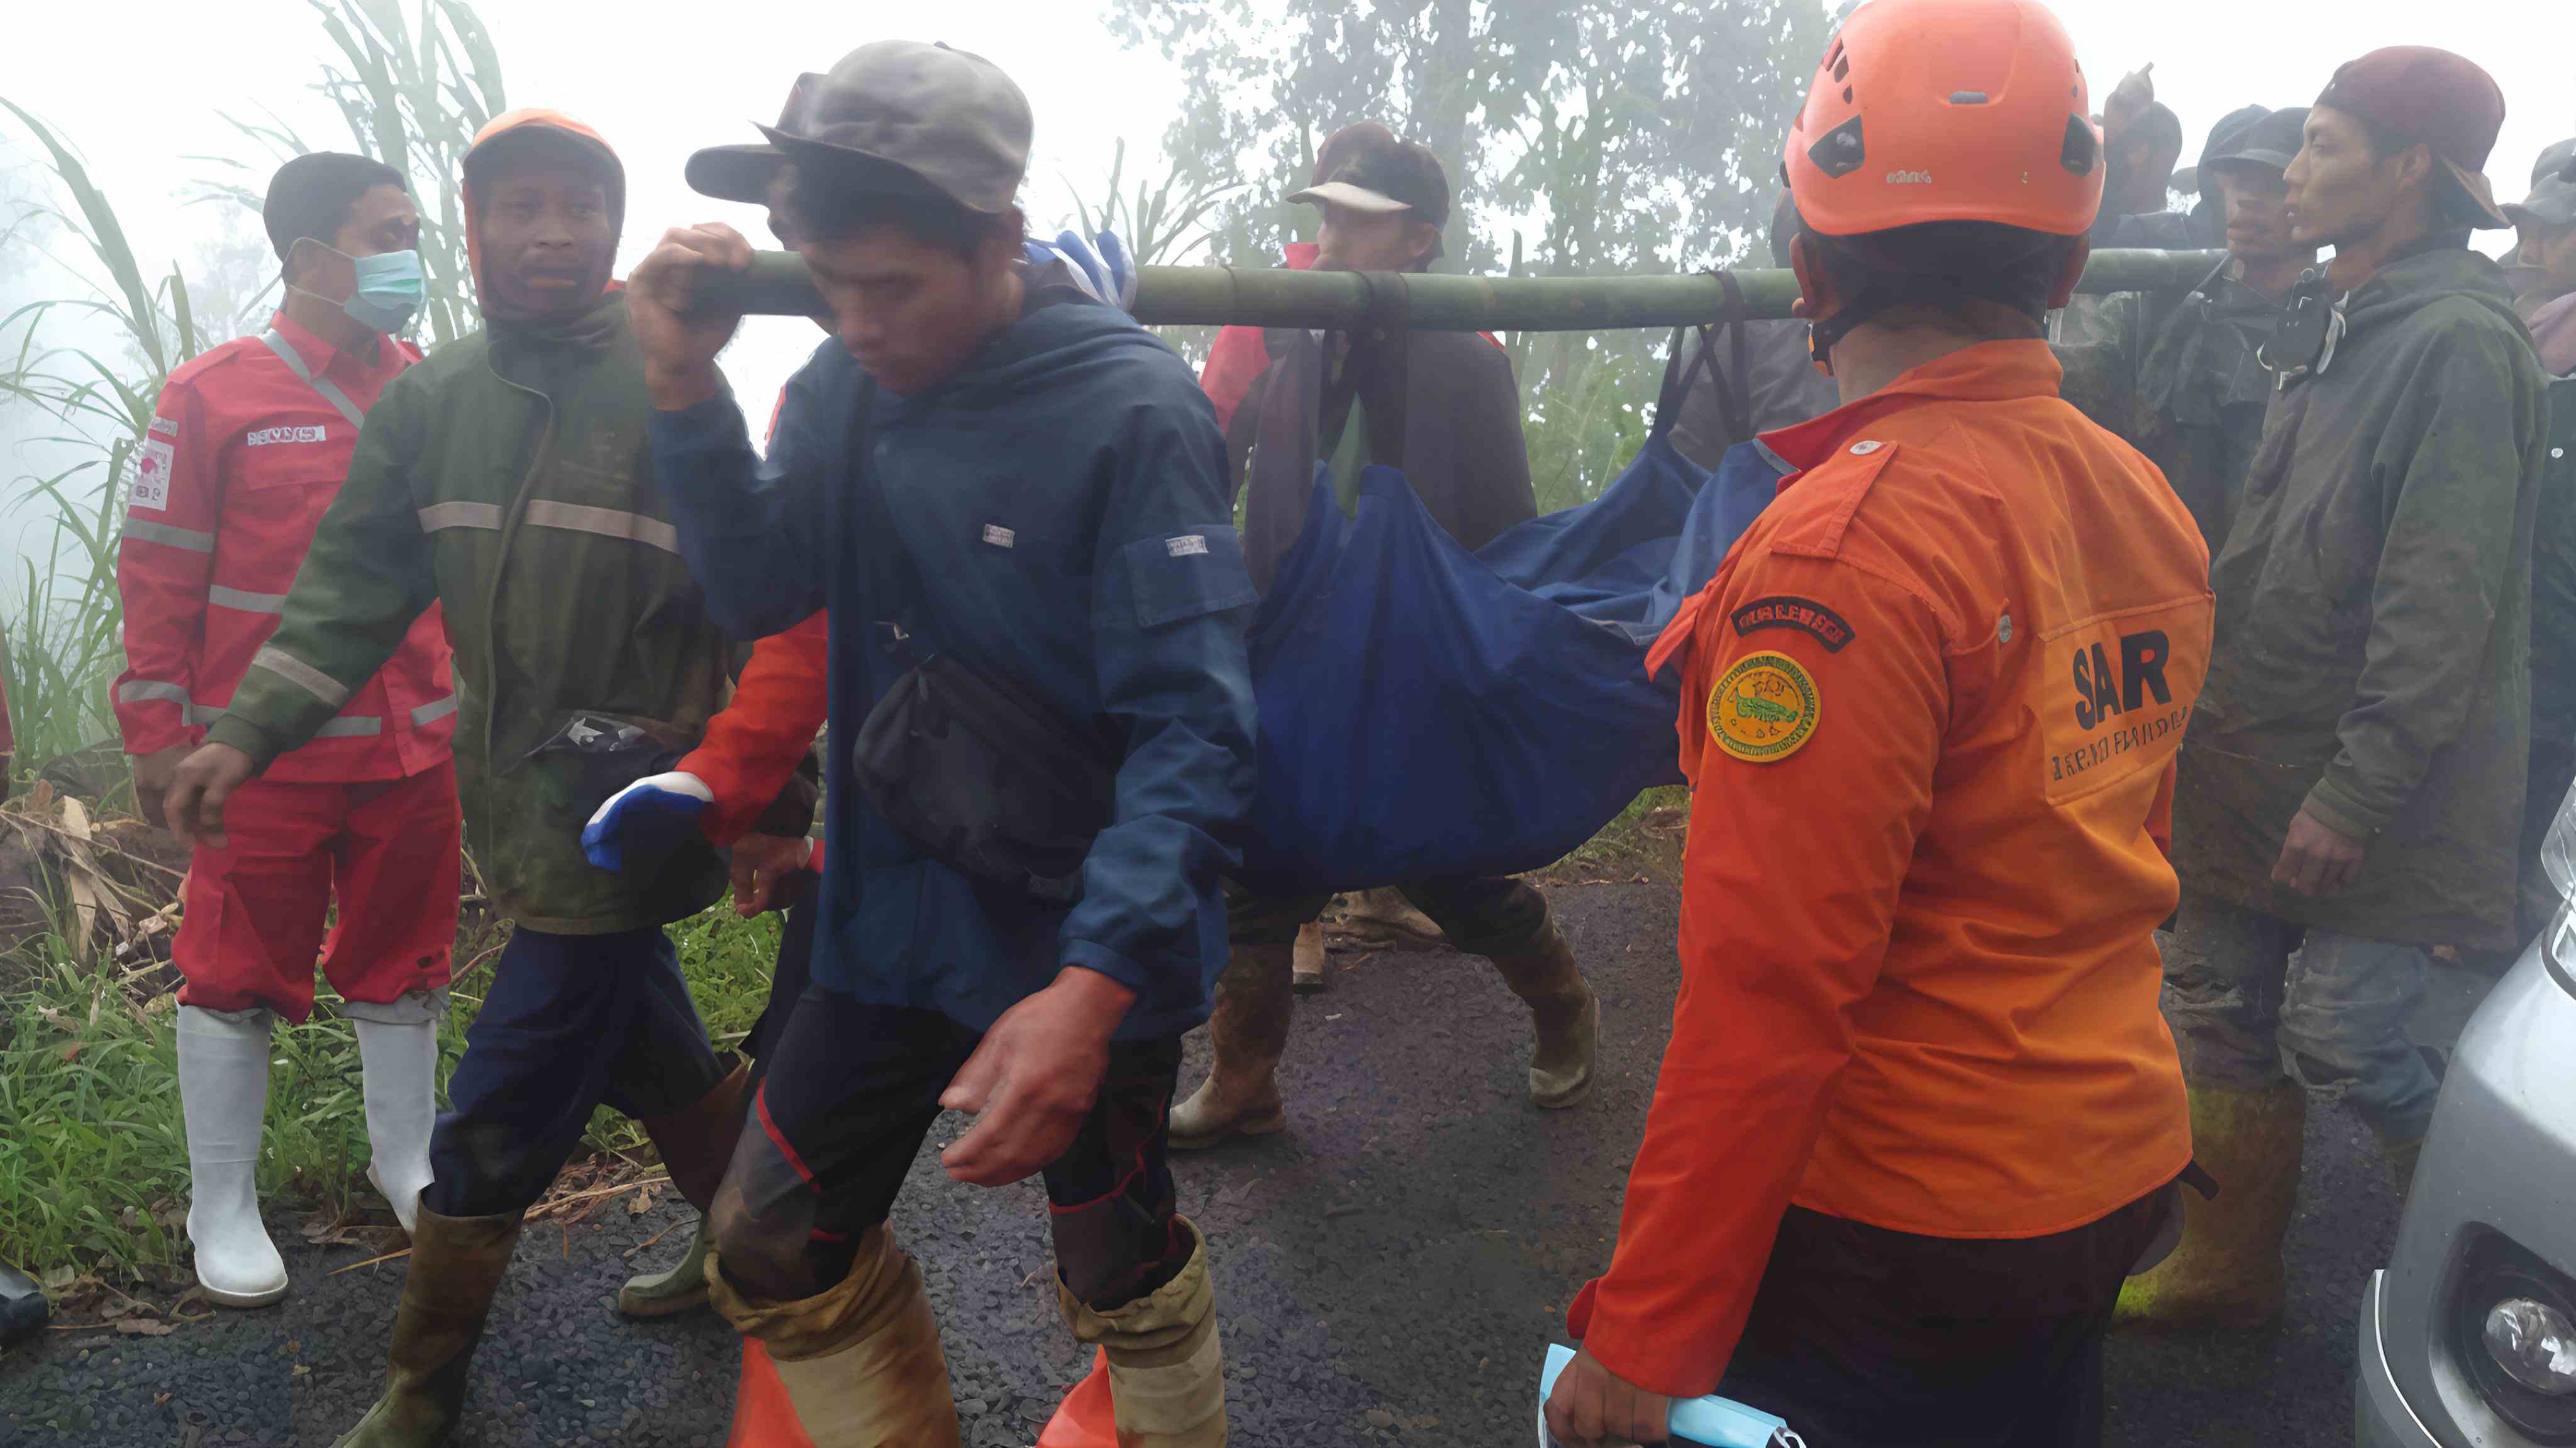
(255, 909)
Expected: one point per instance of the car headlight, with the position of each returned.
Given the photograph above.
(2514, 1334)
(2535, 1345)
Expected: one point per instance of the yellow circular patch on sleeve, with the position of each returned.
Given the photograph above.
(1765, 709)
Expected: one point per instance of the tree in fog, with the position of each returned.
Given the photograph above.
(1590, 136)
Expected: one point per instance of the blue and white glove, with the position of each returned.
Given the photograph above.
(1103, 270)
(647, 822)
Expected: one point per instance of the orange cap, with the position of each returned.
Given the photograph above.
(1947, 110)
(524, 119)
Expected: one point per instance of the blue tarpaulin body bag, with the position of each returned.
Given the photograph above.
(1427, 711)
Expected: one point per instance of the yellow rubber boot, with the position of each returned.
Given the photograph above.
(1166, 1370)
(2227, 1272)
(859, 1366)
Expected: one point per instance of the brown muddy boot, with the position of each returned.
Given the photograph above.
(2227, 1272)
(456, 1268)
(1311, 968)
(1166, 1369)
(858, 1366)
(696, 1143)
(1249, 1032)
(1564, 1014)
(1385, 917)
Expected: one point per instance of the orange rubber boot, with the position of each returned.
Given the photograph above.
(1085, 1419)
(763, 1416)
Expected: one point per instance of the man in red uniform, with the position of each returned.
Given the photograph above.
(249, 445)
(1920, 1115)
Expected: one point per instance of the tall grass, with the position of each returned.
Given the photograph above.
(94, 1163)
(65, 620)
(412, 93)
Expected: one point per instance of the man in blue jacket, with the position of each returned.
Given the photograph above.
(1048, 495)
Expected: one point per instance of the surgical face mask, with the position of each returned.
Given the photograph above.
(390, 289)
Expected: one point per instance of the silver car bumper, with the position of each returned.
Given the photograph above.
(2381, 1417)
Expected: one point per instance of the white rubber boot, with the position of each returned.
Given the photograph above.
(223, 1094)
(399, 1055)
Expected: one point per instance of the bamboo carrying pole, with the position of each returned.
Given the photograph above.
(776, 285)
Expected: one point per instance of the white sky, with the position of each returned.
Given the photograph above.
(136, 84)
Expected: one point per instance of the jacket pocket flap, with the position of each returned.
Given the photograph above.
(1186, 573)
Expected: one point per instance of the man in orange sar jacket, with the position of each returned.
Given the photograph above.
(1920, 1115)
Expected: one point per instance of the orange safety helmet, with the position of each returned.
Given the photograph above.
(1947, 110)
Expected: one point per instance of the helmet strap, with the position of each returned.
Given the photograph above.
(1886, 290)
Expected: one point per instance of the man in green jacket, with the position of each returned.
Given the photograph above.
(508, 477)
(2177, 375)
(2352, 785)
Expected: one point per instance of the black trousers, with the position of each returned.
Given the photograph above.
(1866, 1338)
(851, 1089)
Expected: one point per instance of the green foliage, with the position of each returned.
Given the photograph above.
(1582, 429)
(94, 1165)
(1644, 136)
(1160, 228)
(64, 631)
(412, 93)
(1632, 136)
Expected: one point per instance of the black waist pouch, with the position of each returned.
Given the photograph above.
(985, 779)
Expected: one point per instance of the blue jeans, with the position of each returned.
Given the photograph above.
(571, 1022)
(2252, 998)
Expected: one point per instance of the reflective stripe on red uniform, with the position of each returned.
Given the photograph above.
(1932, 704)
(240, 461)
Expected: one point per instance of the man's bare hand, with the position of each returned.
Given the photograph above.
(680, 337)
(152, 774)
(1592, 1405)
(2128, 101)
(761, 863)
(1034, 1078)
(193, 805)
(2317, 859)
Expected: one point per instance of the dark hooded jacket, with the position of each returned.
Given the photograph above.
(508, 476)
(2175, 375)
(1061, 500)
(2553, 657)
(2374, 613)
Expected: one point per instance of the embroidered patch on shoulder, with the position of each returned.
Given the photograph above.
(1765, 709)
(1790, 611)
(1188, 545)
(1001, 537)
(152, 475)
